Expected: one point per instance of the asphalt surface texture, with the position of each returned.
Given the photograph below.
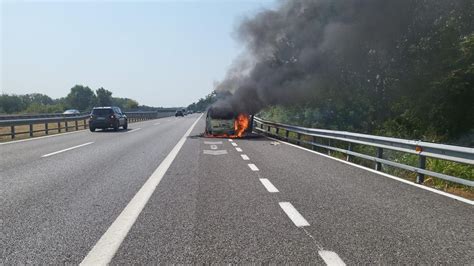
(212, 207)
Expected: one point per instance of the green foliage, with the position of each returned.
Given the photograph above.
(81, 98)
(203, 103)
(425, 91)
(104, 97)
(11, 104)
(125, 103)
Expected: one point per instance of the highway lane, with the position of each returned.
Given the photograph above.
(212, 209)
(366, 217)
(256, 202)
(16, 153)
(54, 209)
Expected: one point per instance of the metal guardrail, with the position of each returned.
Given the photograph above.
(422, 149)
(67, 123)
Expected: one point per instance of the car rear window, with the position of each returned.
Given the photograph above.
(102, 111)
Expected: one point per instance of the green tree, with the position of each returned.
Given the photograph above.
(81, 98)
(104, 97)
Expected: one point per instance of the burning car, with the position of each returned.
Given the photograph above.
(226, 123)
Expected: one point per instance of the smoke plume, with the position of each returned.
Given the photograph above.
(304, 46)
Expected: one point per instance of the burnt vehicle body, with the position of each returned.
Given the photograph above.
(226, 123)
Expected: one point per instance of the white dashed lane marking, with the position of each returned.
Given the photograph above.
(212, 142)
(238, 149)
(234, 144)
(231, 140)
(133, 130)
(331, 258)
(68, 149)
(268, 185)
(245, 157)
(253, 167)
(293, 214)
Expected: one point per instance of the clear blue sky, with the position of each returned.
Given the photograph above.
(160, 53)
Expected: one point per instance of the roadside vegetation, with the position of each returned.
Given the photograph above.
(80, 97)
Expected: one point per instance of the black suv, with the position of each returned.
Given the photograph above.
(107, 117)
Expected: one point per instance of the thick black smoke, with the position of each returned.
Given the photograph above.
(303, 46)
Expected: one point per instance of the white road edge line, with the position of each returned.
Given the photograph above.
(234, 144)
(104, 250)
(238, 149)
(68, 149)
(331, 258)
(133, 130)
(293, 214)
(244, 157)
(268, 185)
(471, 202)
(253, 167)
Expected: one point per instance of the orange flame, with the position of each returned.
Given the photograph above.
(241, 124)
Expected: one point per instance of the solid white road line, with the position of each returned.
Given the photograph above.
(133, 130)
(268, 185)
(238, 149)
(108, 244)
(293, 214)
(331, 258)
(471, 202)
(245, 157)
(234, 144)
(68, 149)
(253, 167)
(155, 124)
(42, 137)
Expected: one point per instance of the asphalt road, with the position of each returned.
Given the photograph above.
(62, 197)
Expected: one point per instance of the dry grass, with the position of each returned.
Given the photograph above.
(52, 129)
(22, 132)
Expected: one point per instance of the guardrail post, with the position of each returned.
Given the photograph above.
(348, 156)
(314, 141)
(66, 126)
(59, 127)
(268, 130)
(420, 178)
(299, 138)
(287, 134)
(85, 124)
(378, 165)
(329, 144)
(277, 132)
(77, 125)
(12, 129)
(46, 128)
(31, 130)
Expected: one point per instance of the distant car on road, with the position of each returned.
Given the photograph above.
(179, 113)
(71, 112)
(107, 117)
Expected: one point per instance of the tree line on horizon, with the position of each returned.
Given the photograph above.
(80, 97)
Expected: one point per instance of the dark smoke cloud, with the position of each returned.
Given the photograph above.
(301, 46)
